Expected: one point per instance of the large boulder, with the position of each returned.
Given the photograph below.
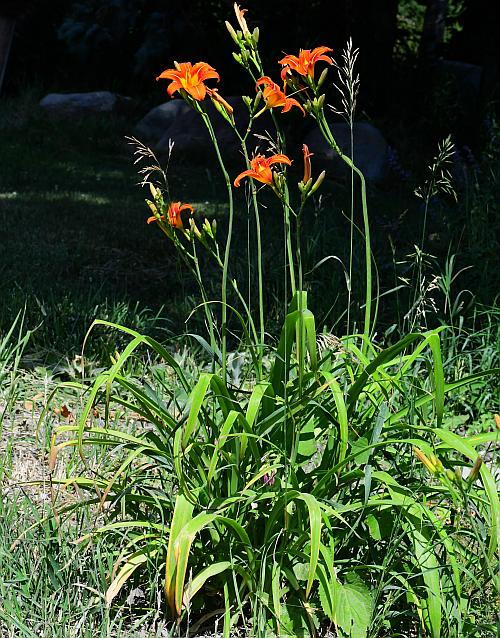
(192, 141)
(71, 105)
(371, 151)
(156, 122)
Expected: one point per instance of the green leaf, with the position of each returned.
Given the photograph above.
(134, 561)
(373, 527)
(201, 578)
(183, 512)
(357, 448)
(353, 606)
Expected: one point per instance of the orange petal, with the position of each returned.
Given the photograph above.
(197, 91)
(279, 158)
(289, 102)
(205, 71)
(173, 87)
(248, 173)
(169, 74)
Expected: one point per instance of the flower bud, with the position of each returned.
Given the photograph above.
(321, 100)
(304, 187)
(436, 462)
(450, 474)
(318, 182)
(232, 33)
(194, 228)
(153, 190)
(458, 475)
(240, 16)
(247, 101)
(237, 57)
(307, 163)
(424, 460)
(475, 469)
(152, 207)
(497, 421)
(255, 36)
(322, 77)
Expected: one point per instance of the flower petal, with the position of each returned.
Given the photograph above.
(169, 74)
(279, 158)
(289, 102)
(173, 87)
(205, 72)
(197, 91)
(248, 173)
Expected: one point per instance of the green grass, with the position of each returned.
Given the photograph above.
(76, 247)
(74, 241)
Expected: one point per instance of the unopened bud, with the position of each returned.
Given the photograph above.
(232, 33)
(237, 57)
(475, 469)
(322, 77)
(153, 190)
(152, 207)
(458, 475)
(497, 421)
(247, 101)
(424, 460)
(321, 101)
(194, 228)
(318, 182)
(304, 187)
(214, 227)
(53, 457)
(255, 35)
(221, 105)
(450, 474)
(436, 462)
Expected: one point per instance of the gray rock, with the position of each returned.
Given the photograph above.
(370, 151)
(192, 141)
(156, 122)
(79, 104)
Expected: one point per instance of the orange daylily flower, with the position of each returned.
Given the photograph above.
(189, 77)
(174, 214)
(274, 96)
(261, 168)
(307, 163)
(303, 64)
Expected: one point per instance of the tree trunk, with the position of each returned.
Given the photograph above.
(6, 36)
(431, 42)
